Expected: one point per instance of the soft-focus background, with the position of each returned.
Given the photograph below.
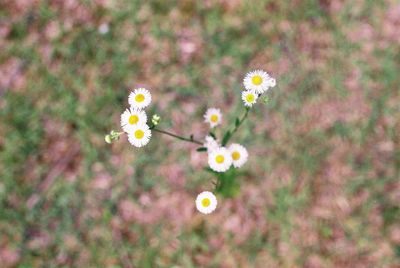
(321, 188)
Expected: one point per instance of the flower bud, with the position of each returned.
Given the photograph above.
(155, 119)
(108, 139)
(113, 136)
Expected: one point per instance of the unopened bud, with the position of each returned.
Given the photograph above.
(155, 119)
(108, 139)
(113, 136)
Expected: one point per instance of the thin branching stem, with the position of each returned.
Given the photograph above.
(237, 125)
(191, 139)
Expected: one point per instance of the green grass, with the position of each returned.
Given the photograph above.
(75, 85)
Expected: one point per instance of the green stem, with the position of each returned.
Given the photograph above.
(177, 136)
(237, 125)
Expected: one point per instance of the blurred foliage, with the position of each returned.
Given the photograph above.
(321, 188)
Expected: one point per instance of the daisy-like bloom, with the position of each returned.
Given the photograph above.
(239, 155)
(211, 144)
(139, 135)
(206, 202)
(132, 117)
(213, 116)
(220, 159)
(140, 98)
(259, 81)
(249, 97)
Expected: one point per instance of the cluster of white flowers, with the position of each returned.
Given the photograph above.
(256, 83)
(134, 119)
(220, 157)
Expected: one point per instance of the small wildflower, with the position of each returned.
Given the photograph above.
(132, 117)
(259, 81)
(249, 97)
(239, 155)
(213, 116)
(140, 98)
(139, 135)
(220, 159)
(206, 202)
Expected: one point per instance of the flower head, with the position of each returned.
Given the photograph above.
(211, 144)
(220, 159)
(139, 135)
(259, 81)
(206, 202)
(132, 117)
(239, 155)
(213, 116)
(249, 97)
(139, 98)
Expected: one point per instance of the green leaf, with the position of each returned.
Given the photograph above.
(237, 122)
(212, 135)
(226, 137)
(201, 149)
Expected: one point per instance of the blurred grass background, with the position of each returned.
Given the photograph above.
(321, 188)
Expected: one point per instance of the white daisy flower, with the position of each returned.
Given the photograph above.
(239, 155)
(211, 144)
(139, 135)
(132, 117)
(140, 98)
(213, 116)
(220, 159)
(206, 202)
(249, 97)
(259, 81)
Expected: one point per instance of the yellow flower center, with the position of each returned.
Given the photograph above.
(205, 202)
(133, 119)
(257, 80)
(235, 155)
(139, 134)
(214, 118)
(139, 97)
(219, 159)
(250, 97)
